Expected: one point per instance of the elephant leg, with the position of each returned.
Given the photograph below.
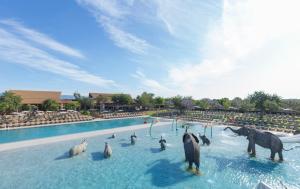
(280, 155)
(190, 165)
(185, 153)
(249, 148)
(197, 167)
(272, 155)
(253, 152)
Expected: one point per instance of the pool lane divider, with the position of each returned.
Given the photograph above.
(41, 141)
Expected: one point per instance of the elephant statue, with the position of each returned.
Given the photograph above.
(162, 143)
(263, 139)
(107, 150)
(78, 149)
(191, 150)
(133, 138)
(204, 139)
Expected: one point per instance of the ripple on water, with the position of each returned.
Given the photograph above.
(143, 165)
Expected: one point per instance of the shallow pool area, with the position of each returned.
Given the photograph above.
(224, 164)
(20, 134)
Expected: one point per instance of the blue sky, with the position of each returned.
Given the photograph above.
(168, 47)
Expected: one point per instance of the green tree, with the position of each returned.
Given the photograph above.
(27, 107)
(276, 98)
(187, 103)
(203, 103)
(9, 102)
(159, 101)
(3, 108)
(168, 102)
(259, 98)
(214, 104)
(182, 103)
(176, 100)
(237, 102)
(271, 106)
(74, 105)
(122, 99)
(225, 102)
(85, 103)
(50, 105)
(246, 105)
(293, 104)
(145, 100)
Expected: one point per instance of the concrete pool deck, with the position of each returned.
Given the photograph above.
(35, 142)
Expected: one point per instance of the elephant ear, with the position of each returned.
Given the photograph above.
(196, 138)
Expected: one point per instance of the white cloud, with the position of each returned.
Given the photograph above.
(108, 14)
(42, 39)
(215, 49)
(245, 29)
(13, 49)
(124, 39)
(150, 84)
(185, 19)
(108, 7)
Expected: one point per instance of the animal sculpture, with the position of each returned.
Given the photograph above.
(107, 150)
(162, 143)
(263, 139)
(191, 150)
(133, 139)
(78, 149)
(204, 139)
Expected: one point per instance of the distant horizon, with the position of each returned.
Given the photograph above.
(87, 94)
(203, 49)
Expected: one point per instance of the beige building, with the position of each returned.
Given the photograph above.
(37, 97)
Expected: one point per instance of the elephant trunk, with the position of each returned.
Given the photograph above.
(233, 130)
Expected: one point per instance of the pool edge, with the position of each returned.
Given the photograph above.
(48, 140)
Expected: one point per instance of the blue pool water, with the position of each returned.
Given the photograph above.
(42, 132)
(224, 164)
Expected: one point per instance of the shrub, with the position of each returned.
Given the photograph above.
(50, 105)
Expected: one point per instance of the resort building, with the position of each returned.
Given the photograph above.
(106, 102)
(36, 97)
(107, 96)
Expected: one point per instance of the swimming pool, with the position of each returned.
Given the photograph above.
(57, 130)
(225, 164)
